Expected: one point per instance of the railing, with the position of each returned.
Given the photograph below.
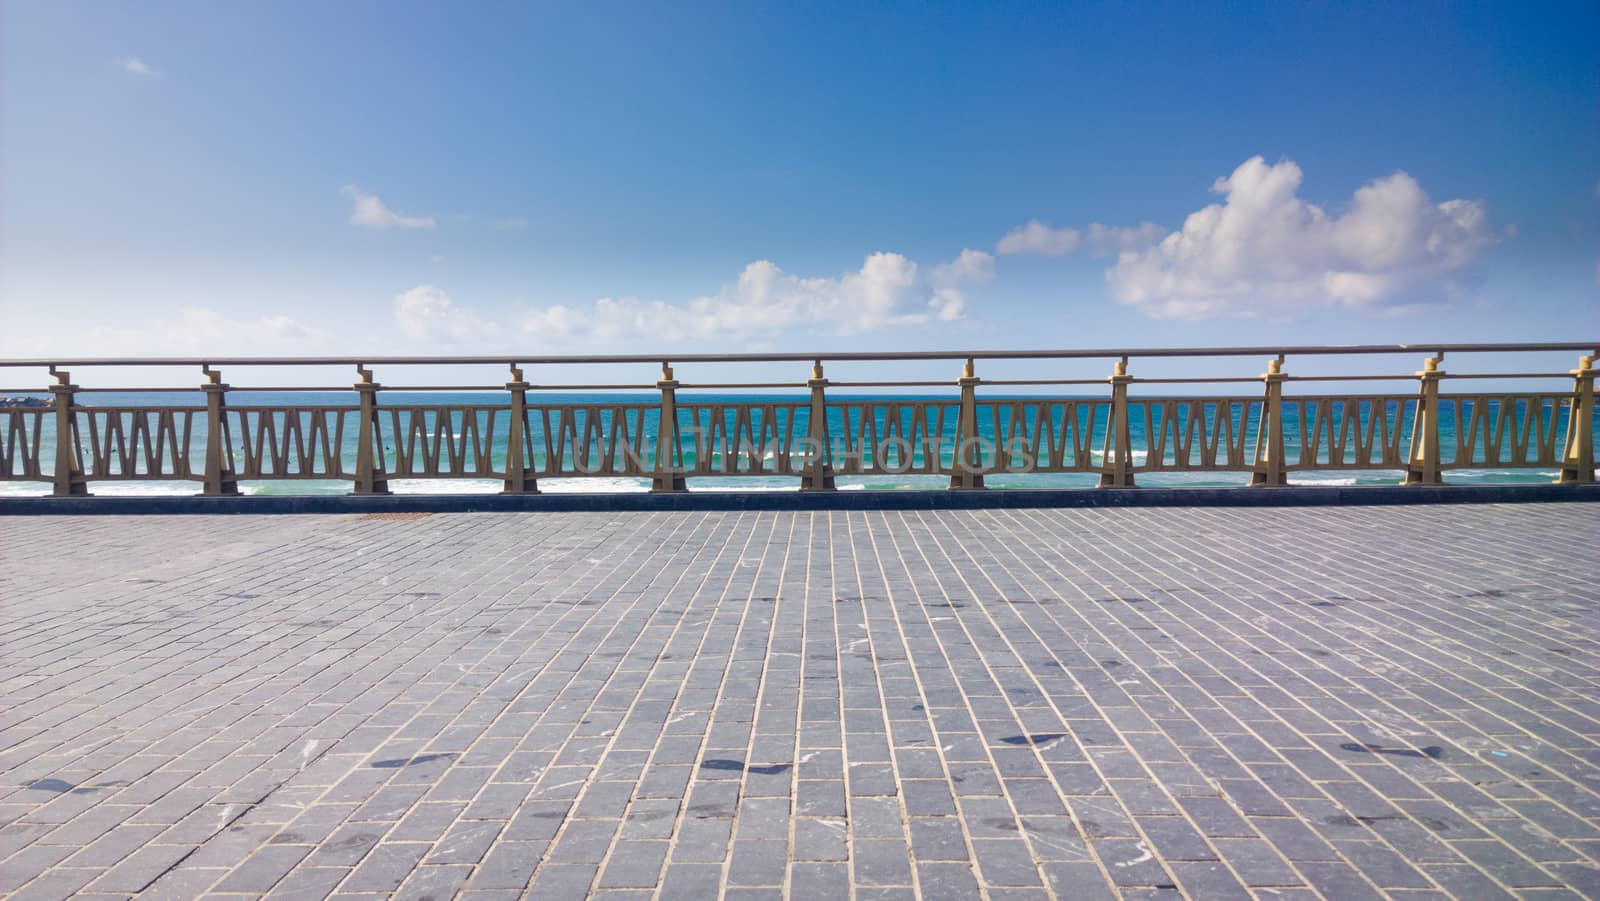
(1421, 432)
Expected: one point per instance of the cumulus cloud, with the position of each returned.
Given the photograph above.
(136, 66)
(370, 212)
(1039, 239)
(970, 265)
(949, 301)
(1265, 250)
(428, 313)
(887, 291)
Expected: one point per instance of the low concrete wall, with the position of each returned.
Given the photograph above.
(1292, 496)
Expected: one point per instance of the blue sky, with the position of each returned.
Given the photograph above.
(330, 178)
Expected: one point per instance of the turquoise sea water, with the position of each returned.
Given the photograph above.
(998, 423)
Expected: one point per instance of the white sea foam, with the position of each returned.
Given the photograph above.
(1137, 456)
(445, 486)
(115, 489)
(596, 485)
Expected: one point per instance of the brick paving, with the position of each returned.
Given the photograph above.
(1337, 702)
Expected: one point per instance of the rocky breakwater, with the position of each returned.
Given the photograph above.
(22, 401)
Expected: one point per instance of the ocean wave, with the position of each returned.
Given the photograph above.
(445, 486)
(598, 485)
(1137, 456)
(116, 489)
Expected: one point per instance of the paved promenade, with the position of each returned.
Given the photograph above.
(1339, 702)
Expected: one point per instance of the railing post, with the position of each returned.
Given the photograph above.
(669, 475)
(968, 475)
(518, 479)
(69, 476)
(1422, 466)
(219, 477)
(1577, 463)
(1116, 466)
(818, 474)
(1270, 464)
(370, 477)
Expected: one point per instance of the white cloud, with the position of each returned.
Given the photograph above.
(1266, 250)
(510, 224)
(1104, 240)
(949, 301)
(136, 66)
(969, 265)
(204, 328)
(284, 328)
(198, 331)
(426, 313)
(370, 212)
(888, 291)
(1038, 239)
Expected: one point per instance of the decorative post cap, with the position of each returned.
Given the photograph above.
(1121, 369)
(666, 370)
(969, 371)
(365, 373)
(1275, 367)
(816, 369)
(516, 373)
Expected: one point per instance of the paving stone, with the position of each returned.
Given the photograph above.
(508, 865)
(433, 882)
(562, 880)
(1005, 862)
(946, 881)
(880, 862)
(263, 869)
(938, 838)
(386, 867)
(819, 880)
(820, 840)
(1337, 880)
(1206, 879)
(688, 881)
(318, 882)
(1256, 861)
(466, 842)
(758, 702)
(758, 863)
(1131, 863)
(634, 864)
(61, 882)
(1078, 880)
(1174, 839)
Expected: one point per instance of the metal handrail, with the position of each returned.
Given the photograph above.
(840, 356)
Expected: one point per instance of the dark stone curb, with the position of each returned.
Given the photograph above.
(1292, 496)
